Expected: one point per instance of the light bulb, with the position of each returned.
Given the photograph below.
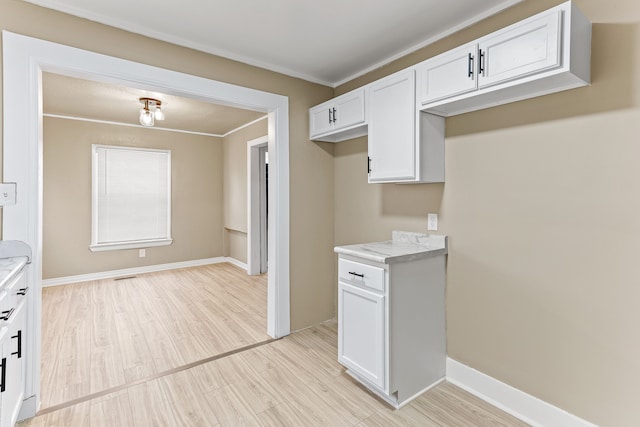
(146, 117)
(159, 114)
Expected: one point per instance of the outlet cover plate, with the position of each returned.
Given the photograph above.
(432, 222)
(7, 193)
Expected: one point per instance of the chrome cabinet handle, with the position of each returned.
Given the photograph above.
(335, 115)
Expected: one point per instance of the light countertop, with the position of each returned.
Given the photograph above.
(403, 246)
(14, 255)
(10, 267)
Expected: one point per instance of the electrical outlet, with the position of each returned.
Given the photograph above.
(142, 253)
(8, 194)
(432, 222)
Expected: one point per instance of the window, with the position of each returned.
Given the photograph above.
(131, 198)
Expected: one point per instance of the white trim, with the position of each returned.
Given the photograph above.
(24, 60)
(246, 125)
(521, 405)
(253, 205)
(191, 132)
(108, 122)
(57, 281)
(235, 262)
(99, 247)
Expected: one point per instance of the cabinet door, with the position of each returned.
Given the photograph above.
(520, 50)
(349, 109)
(13, 355)
(361, 332)
(320, 119)
(449, 74)
(392, 115)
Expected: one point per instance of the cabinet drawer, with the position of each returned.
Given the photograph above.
(363, 275)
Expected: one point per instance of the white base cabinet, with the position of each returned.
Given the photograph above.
(12, 344)
(391, 324)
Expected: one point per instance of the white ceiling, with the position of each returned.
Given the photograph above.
(328, 41)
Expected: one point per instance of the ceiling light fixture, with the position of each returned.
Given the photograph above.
(151, 111)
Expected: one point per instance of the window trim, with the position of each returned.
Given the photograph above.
(128, 244)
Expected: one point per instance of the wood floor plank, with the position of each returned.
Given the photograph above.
(114, 410)
(150, 406)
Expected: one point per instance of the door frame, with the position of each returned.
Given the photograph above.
(24, 60)
(254, 228)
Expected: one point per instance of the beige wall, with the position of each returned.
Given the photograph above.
(311, 164)
(196, 163)
(234, 167)
(542, 206)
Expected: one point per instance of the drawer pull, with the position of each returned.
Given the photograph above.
(19, 338)
(356, 274)
(3, 379)
(23, 291)
(6, 315)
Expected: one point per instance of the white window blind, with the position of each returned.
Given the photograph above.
(131, 198)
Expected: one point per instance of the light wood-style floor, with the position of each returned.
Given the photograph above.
(106, 333)
(135, 339)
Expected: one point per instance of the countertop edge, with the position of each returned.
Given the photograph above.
(390, 259)
(18, 263)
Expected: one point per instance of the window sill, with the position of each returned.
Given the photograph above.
(138, 244)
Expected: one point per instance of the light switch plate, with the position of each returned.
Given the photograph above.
(7, 193)
(432, 222)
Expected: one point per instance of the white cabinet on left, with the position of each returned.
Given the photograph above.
(12, 343)
(339, 119)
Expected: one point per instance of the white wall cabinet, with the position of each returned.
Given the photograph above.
(391, 324)
(545, 53)
(403, 145)
(339, 119)
(12, 341)
(449, 74)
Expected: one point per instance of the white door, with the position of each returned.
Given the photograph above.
(321, 119)
(528, 48)
(349, 109)
(361, 337)
(449, 74)
(392, 143)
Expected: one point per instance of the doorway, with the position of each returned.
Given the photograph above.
(257, 205)
(25, 59)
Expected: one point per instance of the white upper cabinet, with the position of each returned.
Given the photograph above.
(405, 145)
(392, 150)
(339, 119)
(449, 74)
(520, 50)
(545, 53)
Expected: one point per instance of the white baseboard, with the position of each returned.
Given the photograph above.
(237, 263)
(136, 270)
(521, 405)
